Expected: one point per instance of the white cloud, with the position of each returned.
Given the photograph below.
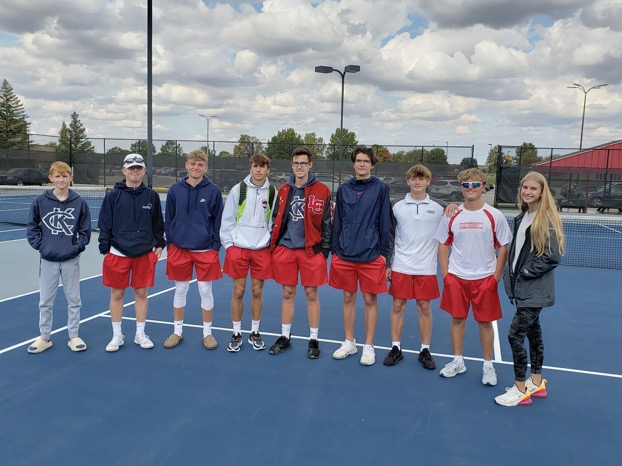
(469, 70)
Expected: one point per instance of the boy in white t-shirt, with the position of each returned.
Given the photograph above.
(472, 271)
(412, 267)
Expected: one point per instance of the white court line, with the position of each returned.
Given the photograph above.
(12, 240)
(609, 228)
(15, 229)
(37, 291)
(498, 358)
(62, 329)
(387, 348)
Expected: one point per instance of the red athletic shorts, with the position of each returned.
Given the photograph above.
(482, 294)
(137, 272)
(239, 260)
(404, 286)
(179, 264)
(346, 275)
(286, 263)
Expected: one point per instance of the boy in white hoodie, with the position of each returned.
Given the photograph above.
(245, 234)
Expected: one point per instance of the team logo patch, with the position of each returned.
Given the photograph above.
(316, 205)
(56, 221)
(148, 206)
(296, 210)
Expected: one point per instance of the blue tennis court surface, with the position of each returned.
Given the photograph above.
(192, 406)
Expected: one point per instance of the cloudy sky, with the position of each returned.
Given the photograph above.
(456, 72)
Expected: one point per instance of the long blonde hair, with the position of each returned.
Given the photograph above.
(546, 217)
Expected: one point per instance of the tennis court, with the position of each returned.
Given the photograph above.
(192, 406)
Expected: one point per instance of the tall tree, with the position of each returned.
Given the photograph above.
(527, 154)
(315, 144)
(383, 153)
(14, 125)
(171, 148)
(73, 137)
(140, 147)
(469, 162)
(247, 146)
(117, 151)
(491, 160)
(283, 143)
(436, 156)
(349, 141)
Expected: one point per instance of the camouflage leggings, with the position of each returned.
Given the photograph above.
(526, 323)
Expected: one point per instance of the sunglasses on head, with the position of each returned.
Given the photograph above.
(136, 158)
(471, 184)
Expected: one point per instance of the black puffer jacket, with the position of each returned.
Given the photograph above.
(532, 283)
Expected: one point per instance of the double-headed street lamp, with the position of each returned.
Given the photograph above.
(207, 119)
(347, 69)
(579, 86)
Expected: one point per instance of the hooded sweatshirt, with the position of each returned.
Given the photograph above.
(252, 229)
(193, 215)
(59, 230)
(130, 220)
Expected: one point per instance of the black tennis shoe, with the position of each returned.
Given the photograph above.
(314, 349)
(393, 357)
(281, 345)
(425, 358)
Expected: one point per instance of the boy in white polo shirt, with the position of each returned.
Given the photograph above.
(472, 271)
(413, 262)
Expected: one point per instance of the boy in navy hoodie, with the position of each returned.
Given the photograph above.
(59, 227)
(193, 214)
(131, 237)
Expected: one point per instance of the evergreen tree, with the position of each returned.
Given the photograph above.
(14, 125)
(73, 138)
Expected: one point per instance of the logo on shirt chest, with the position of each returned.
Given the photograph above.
(56, 221)
(471, 225)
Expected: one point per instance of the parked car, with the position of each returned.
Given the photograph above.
(24, 176)
(607, 196)
(449, 190)
(574, 190)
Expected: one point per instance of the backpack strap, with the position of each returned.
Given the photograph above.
(241, 200)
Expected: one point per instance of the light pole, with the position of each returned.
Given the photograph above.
(207, 119)
(579, 86)
(347, 69)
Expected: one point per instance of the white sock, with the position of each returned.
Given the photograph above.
(397, 343)
(488, 364)
(178, 326)
(140, 328)
(313, 333)
(237, 326)
(286, 330)
(424, 347)
(255, 325)
(207, 328)
(458, 358)
(116, 328)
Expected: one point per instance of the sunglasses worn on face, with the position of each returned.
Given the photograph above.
(471, 184)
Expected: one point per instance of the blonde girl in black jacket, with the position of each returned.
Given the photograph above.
(535, 251)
